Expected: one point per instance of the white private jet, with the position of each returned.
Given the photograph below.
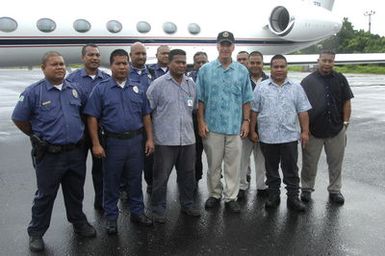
(269, 26)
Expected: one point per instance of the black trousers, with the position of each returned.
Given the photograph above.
(97, 170)
(286, 155)
(67, 169)
(166, 157)
(198, 150)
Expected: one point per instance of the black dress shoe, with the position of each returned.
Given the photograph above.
(111, 227)
(233, 206)
(191, 212)
(211, 202)
(294, 203)
(141, 219)
(85, 229)
(337, 198)
(306, 196)
(262, 193)
(157, 218)
(241, 194)
(36, 243)
(273, 201)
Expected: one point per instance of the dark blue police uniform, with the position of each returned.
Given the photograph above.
(55, 118)
(85, 84)
(120, 112)
(144, 77)
(157, 70)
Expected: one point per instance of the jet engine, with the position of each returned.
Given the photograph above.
(303, 23)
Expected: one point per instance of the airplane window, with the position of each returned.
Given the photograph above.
(169, 27)
(46, 25)
(194, 28)
(114, 26)
(7, 24)
(143, 26)
(82, 25)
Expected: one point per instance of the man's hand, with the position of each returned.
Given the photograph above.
(202, 129)
(304, 138)
(253, 136)
(149, 147)
(245, 129)
(98, 151)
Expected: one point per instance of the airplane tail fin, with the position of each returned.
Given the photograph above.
(327, 4)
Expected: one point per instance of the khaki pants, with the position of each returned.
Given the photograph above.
(334, 150)
(249, 147)
(227, 149)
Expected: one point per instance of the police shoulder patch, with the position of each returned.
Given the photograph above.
(75, 93)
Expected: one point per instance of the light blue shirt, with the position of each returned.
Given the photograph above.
(223, 92)
(278, 108)
(172, 105)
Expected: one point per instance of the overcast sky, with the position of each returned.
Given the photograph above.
(354, 11)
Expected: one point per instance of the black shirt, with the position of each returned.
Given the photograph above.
(327, 95)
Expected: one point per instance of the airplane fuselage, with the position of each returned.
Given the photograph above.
(277, 27)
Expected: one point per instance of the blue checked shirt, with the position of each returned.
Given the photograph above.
(278, 108)
(172, 106)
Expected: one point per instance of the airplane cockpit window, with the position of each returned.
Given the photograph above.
(7, 24)
(46, 25)
(143, 26)
(82, 25)
(169, 27)
(194, 28)
(114, 26)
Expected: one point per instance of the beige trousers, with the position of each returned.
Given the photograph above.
(334, 150)
(249, 147)
(226, 149)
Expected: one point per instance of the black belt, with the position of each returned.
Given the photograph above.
(52, 148)
(123, 136)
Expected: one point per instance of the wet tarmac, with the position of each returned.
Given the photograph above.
(356, 228)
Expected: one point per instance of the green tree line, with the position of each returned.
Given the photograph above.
(349, 40)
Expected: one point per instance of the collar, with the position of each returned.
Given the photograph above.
(168, 76)
(83, 73)
(50, 86)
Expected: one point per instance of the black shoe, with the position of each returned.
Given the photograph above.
(85, 229)
(305, 196)
(191, 212)
(141, 219)
(157, 218)
(262, 193)
(211, 202)
(233, 206)
(273, 201)
(294, 203)
(248, 178)
(241, 194)
(36, 243)
(337, 198)
(111, 227)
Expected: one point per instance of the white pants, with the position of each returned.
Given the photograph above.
(259, 162)
(227, 149)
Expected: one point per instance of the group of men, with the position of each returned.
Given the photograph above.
(152, 118)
